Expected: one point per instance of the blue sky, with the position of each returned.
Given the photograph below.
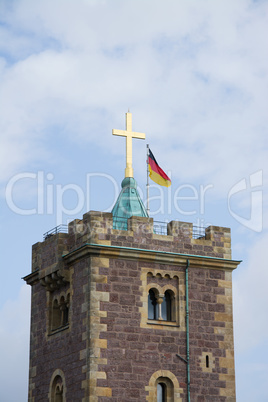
(194, 75)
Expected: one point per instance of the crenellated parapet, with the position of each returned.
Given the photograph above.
(97, 228)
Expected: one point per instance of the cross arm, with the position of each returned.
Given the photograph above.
(122, 133)
(125, 133)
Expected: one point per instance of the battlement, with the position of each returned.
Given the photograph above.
(97, 228)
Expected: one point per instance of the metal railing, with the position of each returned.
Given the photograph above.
(159, 227)
(122, 224)
(55, 230)
(198, 232)
(162, 229)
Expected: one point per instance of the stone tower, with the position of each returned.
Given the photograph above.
(122, 313)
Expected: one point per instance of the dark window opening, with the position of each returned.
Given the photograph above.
(167, 306)
(161, 392)
(59, 394)
(56, 315)
(64, 311)
(207, 361)
(153, 312)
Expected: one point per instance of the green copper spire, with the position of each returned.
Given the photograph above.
(128, 204)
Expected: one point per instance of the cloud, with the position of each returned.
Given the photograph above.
(193, 73)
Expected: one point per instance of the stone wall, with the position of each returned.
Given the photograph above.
(110, 351)
(60, 349)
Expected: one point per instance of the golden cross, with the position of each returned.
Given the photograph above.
(129, 134)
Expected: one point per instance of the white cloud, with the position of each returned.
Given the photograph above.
(190, 66)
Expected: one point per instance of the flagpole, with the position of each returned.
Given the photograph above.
(148, 208)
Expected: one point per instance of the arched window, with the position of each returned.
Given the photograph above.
(161, 392)
(57, 388)
(164, 389)
(168, 306)
(153, 308)
(60, 312)
(164, 386)
(56, 315)
(64, 306)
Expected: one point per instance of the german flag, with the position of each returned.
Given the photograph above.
(156, 173)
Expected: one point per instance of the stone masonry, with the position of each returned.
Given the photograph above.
(108, 349)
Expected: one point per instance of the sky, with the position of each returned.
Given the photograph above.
(194, 75)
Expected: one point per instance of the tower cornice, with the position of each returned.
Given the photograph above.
(159, 256)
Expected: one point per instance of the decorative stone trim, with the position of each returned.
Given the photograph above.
(104, 249)
(65, 293)
(207, 362)
(161, 294)
(94, 343)
(179, 293)
(53, 281)
(57, 373)
(152, 387)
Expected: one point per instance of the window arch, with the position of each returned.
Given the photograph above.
(164, 384)
(60, 312)
(161, 306)
(164, 389)
(57, 389)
